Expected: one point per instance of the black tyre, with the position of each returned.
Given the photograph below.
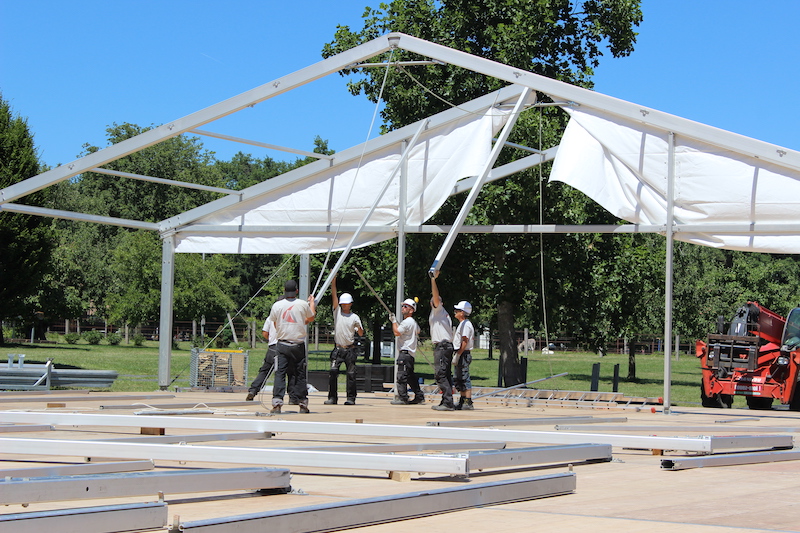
(794, 405)
(759, 403)
(714, 401)
(727, 400)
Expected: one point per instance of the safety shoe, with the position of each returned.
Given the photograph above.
(275, 410)
(467, 406)
(250, 397)
(442, 407)
(350, 402)
(399, 402)
(330, 402)
(418, 398)
(304, 409)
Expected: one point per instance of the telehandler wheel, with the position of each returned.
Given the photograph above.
(794, 404)
(714, 401)
(727, 400)
(758, 403)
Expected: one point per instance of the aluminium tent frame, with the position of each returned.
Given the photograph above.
(563, 94)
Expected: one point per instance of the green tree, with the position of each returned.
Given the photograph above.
(25, 241)
(562, 40)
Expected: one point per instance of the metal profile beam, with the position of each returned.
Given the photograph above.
(238, 455)
(104, 519)
(76, 470)
(176, 439)
(684, 463)
(358, 513)
(71, 215)
(304, 153)
(165, 181)
(518, 457)
(25, 427)
(123, 485)
(683, 429)
(702, 444)
(525, 421)
(419, 447)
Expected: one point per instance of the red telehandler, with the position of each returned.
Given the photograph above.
(758, 358)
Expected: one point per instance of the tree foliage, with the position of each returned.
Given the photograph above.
(25, 241)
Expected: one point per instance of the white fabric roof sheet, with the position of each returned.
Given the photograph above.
(623, 166)
(344, 194)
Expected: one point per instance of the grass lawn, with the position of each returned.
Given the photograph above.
(138, 367)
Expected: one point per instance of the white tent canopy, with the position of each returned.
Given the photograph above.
(663, 173)
(623, 167)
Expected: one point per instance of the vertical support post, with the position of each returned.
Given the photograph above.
(669, 274)
(401, 248)
(303, 289)
(165, 324)
(615, 387)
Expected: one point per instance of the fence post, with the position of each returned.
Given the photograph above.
(595, 377)
(616, 378)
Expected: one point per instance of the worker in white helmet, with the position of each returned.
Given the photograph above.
(406, 333)
(345, 325)
(463, 339)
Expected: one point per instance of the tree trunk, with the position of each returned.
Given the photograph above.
(509, 355)
(632, 360)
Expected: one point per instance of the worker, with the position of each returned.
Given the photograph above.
(291, 316)
(345, 325)
(464, 339)
(442, 337)
(268, 332)
(406, 333)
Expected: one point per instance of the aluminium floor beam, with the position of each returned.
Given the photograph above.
(456, 466)
(19, 428)
(103, 519)
(177, 439)
(123, 485)
(363, 512)
(76, 470)
(518, 457)
(524, 421)
(700, 444)
(684, 463)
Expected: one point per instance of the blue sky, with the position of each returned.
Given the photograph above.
(74, 68)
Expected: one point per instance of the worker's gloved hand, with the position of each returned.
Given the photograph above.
(392, 318)
(455, 358)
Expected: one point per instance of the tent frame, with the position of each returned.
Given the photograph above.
(675, 127)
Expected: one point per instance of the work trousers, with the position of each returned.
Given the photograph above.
(291, 367)
(263, 372)
(406, 377)
(443, 359)
(462, 379)
(348, 357)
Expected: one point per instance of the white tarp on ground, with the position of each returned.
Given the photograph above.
(344, 194)
(622, 165)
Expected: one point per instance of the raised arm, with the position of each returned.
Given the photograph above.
(435, 297)
(334, 294)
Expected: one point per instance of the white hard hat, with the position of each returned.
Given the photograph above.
(464, 306)
(411, 303)
(345, 298)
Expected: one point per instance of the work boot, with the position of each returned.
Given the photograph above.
(250, 397)
(304, 409)
(399, 401)
(330, 401)
(275, 410)
(443, 407)
(418, 398)
(460, 403)
(350, 402)
(468, 405)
